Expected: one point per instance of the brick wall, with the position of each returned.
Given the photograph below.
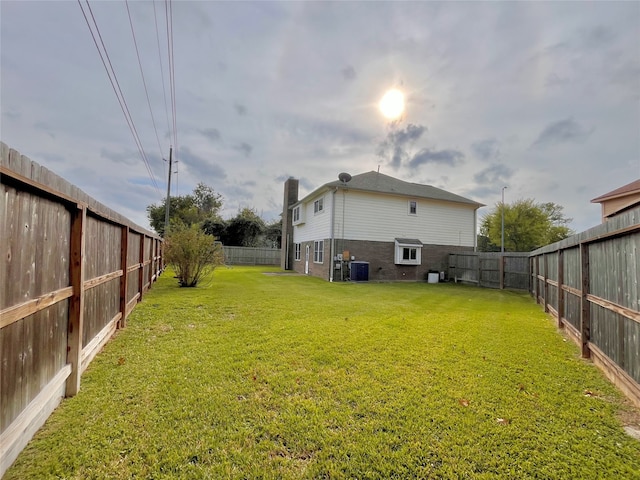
(380, 256)
(321, 270)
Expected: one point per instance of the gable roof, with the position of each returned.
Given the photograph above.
(379, 183)
(628, 189)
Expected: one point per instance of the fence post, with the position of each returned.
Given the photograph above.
(585, 310)
(141, 268)
(536, 279)
(76, 302)
(561, 295)
(124, 245)
(545, 287)
(532, 283)
(150, 260)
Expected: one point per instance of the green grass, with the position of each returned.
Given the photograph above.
(257, 376)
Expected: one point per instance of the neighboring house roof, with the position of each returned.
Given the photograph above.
(619, 200)
(379, 183)
(628, 189)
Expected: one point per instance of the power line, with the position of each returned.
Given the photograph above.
(172, 81)
(111, 74)
(144, 83)
(164, 88)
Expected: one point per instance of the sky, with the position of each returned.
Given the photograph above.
(540, 97)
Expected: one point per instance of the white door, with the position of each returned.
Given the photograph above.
(306, 261)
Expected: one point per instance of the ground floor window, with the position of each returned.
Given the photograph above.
(296, 251)
(408, 251)
(318, 251)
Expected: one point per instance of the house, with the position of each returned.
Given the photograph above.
(619, 200)
(402, 230)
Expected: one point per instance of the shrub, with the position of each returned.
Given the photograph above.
(192, 253)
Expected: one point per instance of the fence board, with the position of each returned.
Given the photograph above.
(62, 267)
(601, 271)
(492, 270)
(251, 256)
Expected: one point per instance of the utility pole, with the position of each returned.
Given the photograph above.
(168, 201)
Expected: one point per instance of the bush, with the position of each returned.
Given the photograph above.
(192, 253)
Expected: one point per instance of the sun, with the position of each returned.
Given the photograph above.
(392, 104)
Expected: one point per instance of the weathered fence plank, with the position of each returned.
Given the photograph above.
(64, 272)
(601, 298)
(492, 270)
(251, 256)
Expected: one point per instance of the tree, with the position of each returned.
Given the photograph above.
(245, 229)
(204, 204)
(207, 201)
(485, 245)
(192, 253)
(273, 234)
(527, 225)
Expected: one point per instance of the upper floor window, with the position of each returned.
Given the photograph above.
(413, 207)
(318, 205)
(298, 215)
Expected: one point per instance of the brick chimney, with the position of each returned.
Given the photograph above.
(290, 197)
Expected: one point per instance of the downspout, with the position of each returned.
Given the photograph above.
(286, 259)
(332, 233)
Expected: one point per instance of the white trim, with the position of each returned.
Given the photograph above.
(415, 207)
(318, 251)
(403, 250)
(24, 426)
(297, 215)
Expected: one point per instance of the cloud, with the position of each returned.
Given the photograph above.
(563, 131)
(239, 192)
(494, 174)
(444, 157)
(408, 135)
(200, 167)
(596, 37)
(394, 146)
(317, 131)
(128, 158)
(240, 109)
(555, 80)
(303, 182)
(12, 115)
(45, 127)
(211, 134)
(487, 149)
(244, 148)
(283, 178)
(349, 73)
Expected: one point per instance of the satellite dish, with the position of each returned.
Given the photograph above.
(344, 177)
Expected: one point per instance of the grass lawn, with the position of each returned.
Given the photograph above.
(259, 376)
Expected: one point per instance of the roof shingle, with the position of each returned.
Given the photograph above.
(627, 189)
(378, 182)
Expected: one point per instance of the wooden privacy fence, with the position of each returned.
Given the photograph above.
(71, 272)
(591, 284)
(251, 256)
(492, 270)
